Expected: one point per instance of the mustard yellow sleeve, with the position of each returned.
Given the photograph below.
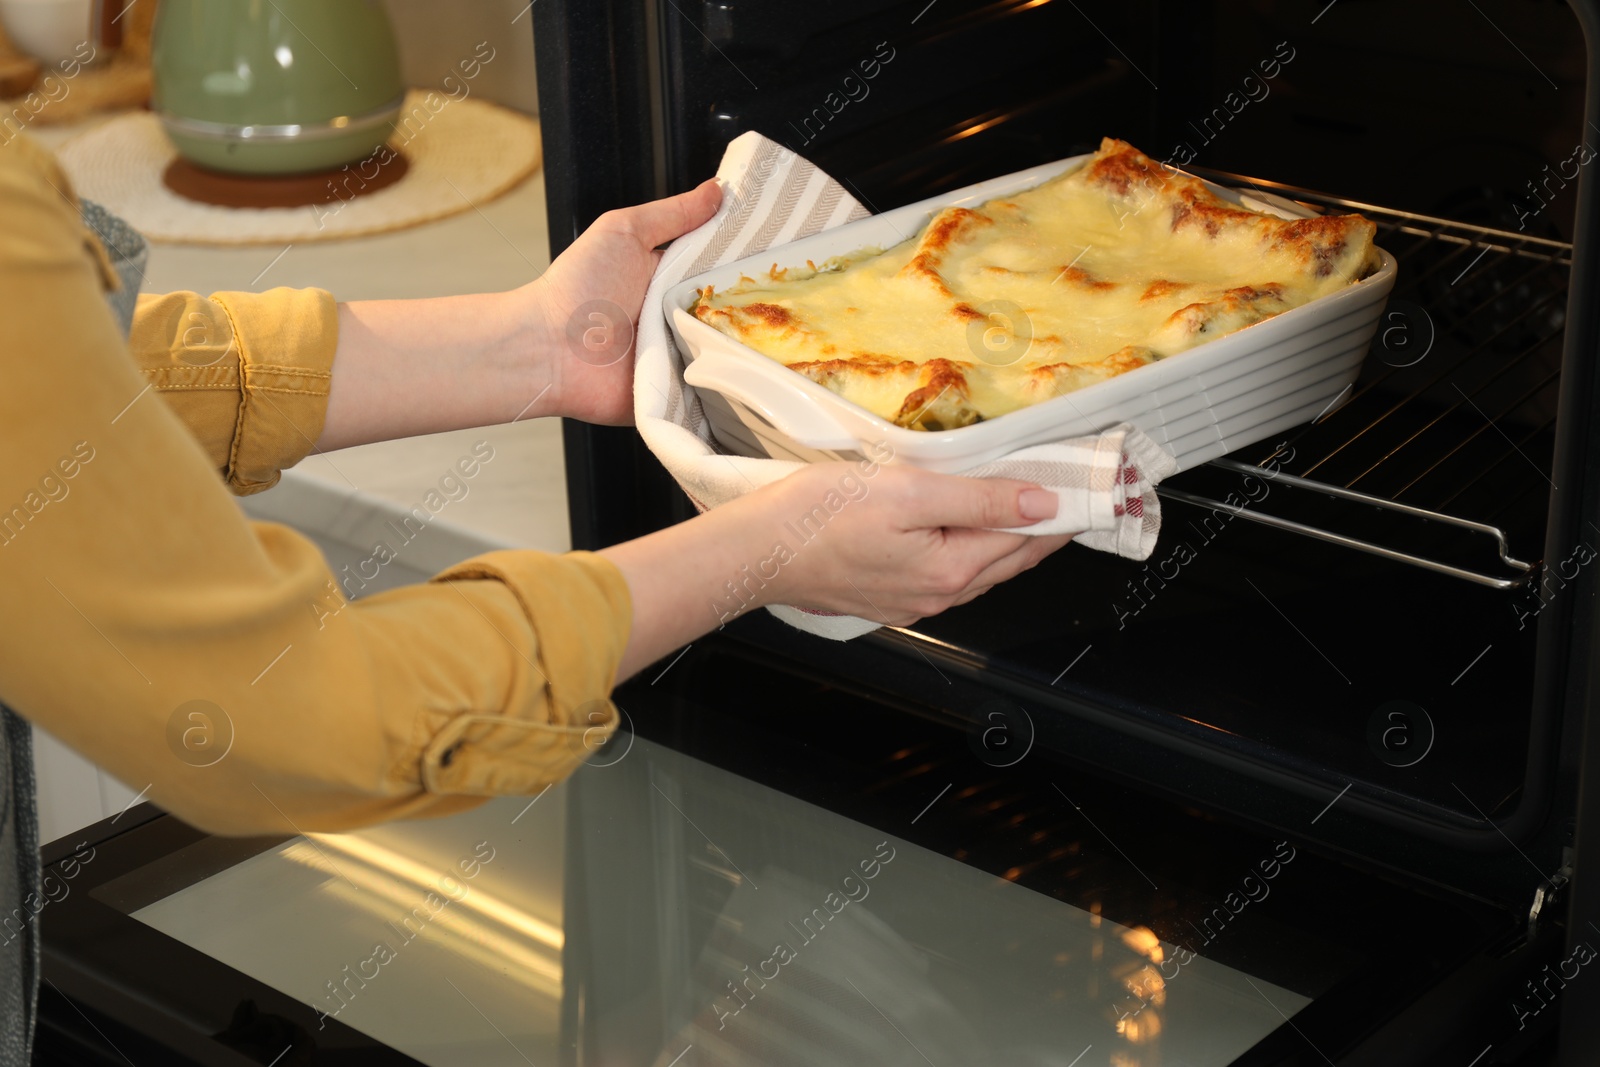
(216, 661)
(248, 373)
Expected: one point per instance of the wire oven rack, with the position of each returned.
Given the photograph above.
(1439, 455)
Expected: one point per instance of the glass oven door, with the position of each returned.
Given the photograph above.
(766, 870)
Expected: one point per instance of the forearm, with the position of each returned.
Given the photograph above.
(679, 578)
(892, 544)
(408, 367)
(559, 345)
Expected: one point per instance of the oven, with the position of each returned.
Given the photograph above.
(1372, 634)
(1307, 786)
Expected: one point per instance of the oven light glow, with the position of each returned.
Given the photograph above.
(1140, 1029)
(977, 127)
(1144, 941)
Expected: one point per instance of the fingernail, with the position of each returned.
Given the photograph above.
(1037, 504)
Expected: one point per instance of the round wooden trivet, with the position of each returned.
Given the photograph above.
(284, 190)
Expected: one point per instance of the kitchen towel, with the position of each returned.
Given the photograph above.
(771, 196)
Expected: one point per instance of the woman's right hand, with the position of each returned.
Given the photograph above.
(901, 544)
(891, 544)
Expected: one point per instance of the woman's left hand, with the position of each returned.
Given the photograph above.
(560, 345)
(589, 302)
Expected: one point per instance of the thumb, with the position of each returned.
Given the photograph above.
(660, 221)
(985, 503)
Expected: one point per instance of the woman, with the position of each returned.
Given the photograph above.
(135, 587)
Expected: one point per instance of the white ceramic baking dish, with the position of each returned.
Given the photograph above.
(1198, 404)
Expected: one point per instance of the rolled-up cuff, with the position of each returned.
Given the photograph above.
(581, 612)
(286, 338)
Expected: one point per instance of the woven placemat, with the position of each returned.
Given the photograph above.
(462, 154)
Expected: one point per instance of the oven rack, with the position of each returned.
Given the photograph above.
(1445, 440)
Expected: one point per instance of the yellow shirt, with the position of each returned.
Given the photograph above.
(134, 586)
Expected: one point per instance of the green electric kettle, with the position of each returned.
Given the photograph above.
(273, 87)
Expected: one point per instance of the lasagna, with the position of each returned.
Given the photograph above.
(1110, 266)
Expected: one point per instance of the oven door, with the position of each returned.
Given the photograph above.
(770, 869)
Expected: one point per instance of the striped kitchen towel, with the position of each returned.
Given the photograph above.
(1106, 483)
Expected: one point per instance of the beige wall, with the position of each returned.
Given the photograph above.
(435, 35)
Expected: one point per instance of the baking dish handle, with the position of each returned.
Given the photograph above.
(789, 411)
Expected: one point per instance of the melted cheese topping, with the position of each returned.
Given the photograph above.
(1098, 271)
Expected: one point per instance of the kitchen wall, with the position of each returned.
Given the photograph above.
(435, 36)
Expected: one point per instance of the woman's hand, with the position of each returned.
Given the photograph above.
(588, 302)
(560, 345)
(888, 544)
(904, 543)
